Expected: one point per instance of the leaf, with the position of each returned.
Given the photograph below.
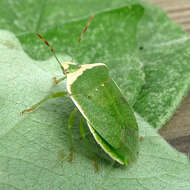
(165, 51)
(98, 49)
(99, 43)
(166, 59)
(35, 147)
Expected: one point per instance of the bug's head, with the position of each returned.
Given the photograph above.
(69, 67)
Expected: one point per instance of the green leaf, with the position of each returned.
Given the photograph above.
(165, 53)
(102, 42)
(35, 147)
(166, 59)
(95, 47)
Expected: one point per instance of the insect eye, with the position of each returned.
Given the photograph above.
(66, 71)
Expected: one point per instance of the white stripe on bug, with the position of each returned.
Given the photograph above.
(65, 65)
(71, 77)
(101, 145)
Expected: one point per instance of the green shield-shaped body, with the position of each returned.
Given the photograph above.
(108, 115)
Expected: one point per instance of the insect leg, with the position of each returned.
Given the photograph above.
(70, 124)
(82, 132)
(35, 106)
(57, 81)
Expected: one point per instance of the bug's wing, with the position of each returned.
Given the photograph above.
(106, 146)
(111, 120)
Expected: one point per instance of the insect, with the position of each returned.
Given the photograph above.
(104, 108)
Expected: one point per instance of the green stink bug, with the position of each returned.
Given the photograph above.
(102, 104)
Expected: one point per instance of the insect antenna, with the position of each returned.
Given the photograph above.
(86, 27)
(51, 49)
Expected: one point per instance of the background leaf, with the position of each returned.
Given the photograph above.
(166, 58)
(100, 46)
(35, 147)
(165, 51)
